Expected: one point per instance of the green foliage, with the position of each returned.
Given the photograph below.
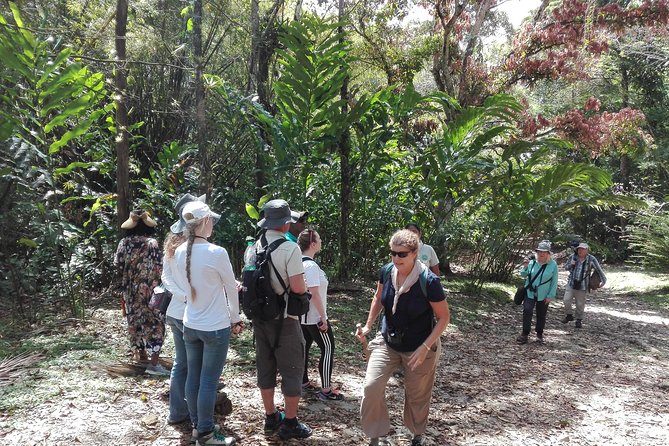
(49, 103)
(649, 239)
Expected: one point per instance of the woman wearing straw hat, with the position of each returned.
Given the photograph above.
(139, 260)
(541, 277)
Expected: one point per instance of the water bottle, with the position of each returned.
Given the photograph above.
(250, 256)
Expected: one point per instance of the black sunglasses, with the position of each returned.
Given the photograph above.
(400, 254)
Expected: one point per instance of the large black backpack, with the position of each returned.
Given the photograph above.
(259, 300)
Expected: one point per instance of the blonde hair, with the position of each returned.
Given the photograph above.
(405, 238)
(172, 242)
(190, 237)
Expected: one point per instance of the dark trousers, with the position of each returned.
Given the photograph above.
(326, 344)
(542, 309)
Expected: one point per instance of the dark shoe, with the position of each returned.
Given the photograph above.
(417, 440)
(540, 338)
(297, 430)
(332, 395)
(579, 324)
(522, 339)
(273, 422)
(309, 387)
(567, 318)
(175, 422)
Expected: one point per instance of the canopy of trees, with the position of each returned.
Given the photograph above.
(489, 137)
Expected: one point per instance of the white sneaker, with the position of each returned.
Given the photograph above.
(157, 370)
(194, 434)
(216, 437)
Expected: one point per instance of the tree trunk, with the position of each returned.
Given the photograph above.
(255, 38)
(200, 118)
(344, 155)
(122, 145)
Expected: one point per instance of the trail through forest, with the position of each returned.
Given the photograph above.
(605, 384)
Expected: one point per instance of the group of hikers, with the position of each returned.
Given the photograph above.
(204, 313)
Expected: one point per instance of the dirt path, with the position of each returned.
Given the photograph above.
(606, 384)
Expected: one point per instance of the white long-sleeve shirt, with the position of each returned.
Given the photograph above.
(178, 302)
(216, 305)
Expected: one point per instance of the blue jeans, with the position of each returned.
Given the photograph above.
(178, 406)
(206, 352)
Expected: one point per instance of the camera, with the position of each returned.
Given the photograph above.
(395, 336)
(532, 257)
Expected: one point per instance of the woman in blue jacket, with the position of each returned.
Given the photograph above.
(541, 277)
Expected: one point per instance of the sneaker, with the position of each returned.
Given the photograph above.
(417, 440)
(215, 437)
(579, 324)
(194, 434)
(273, 422)
(331, 395)
(297, 430)
(567, 318)
(522, 339)
(157, 370)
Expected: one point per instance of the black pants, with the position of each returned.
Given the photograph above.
(326, 344)
(542, 309)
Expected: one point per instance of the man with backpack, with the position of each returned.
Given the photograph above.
(585, 274)
(278, 338)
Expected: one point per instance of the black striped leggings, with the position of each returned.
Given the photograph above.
(325, 342)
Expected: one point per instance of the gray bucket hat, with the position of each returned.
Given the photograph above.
(180, 225)
(544, 245)
(276, 213)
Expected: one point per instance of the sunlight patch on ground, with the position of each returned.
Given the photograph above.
(639, 281)
(644, 317)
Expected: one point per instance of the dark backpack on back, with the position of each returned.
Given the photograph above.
(259, 300)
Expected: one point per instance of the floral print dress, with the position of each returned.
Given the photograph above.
(139, 262)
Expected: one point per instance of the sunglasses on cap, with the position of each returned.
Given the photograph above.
(400, 254)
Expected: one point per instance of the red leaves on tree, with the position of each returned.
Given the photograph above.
(557, 45)
(595, 132)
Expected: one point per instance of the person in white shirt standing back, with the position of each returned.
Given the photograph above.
(211, 316)
(426, 253)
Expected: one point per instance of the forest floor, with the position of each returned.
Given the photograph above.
(605, 384)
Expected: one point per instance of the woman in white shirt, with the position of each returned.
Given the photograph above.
(315, 324)
(211, 316)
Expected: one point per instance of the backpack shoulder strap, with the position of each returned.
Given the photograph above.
(422, 280)
(385, 271)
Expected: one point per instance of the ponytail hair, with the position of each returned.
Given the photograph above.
(190, 238)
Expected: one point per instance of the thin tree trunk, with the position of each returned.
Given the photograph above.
(255, 39)
(122, 145)
(344, 155)
(200, 118)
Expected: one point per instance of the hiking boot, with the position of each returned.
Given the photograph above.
(294, 429)
(567, 318)
(157, 370)
(215, 437)
(522, 339)
(540, 338)
(273, 422)
(579, 324)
